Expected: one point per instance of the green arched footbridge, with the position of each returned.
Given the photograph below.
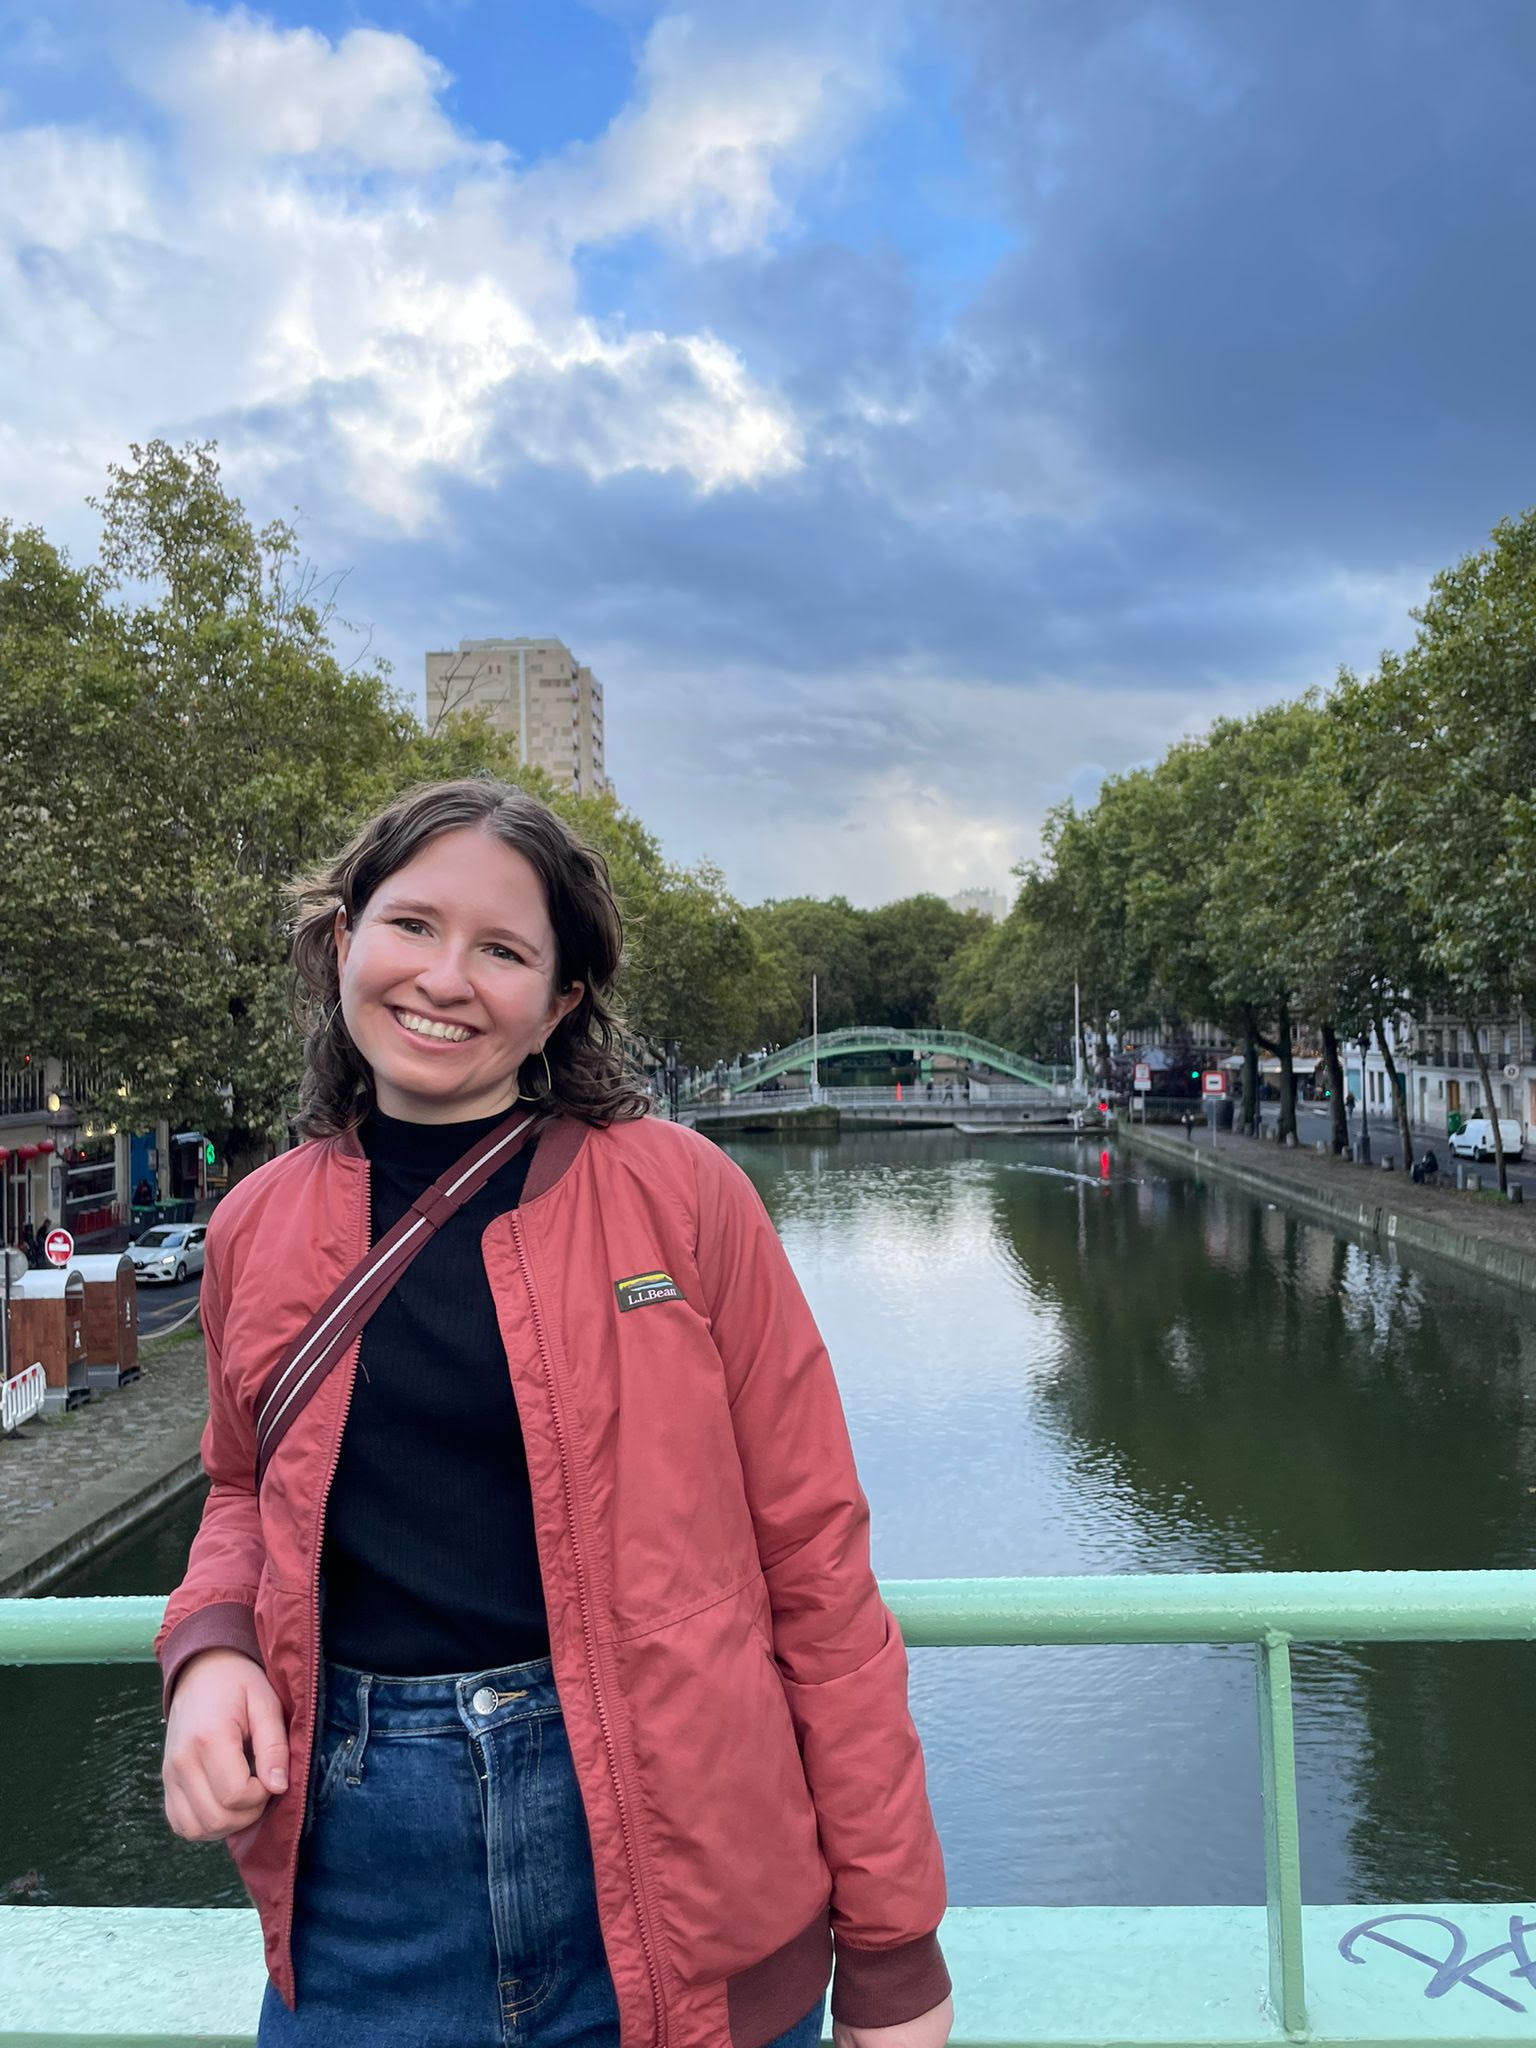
(854, 1038)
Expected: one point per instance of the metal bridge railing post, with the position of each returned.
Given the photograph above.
(1282, 1834)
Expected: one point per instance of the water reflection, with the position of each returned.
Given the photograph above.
(1048, 1371)
(1177, 1377)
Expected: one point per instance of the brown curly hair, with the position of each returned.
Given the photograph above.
(588, 1076)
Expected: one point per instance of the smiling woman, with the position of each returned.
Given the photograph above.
(529, 1655)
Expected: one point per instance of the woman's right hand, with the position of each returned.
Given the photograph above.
(226, 1748)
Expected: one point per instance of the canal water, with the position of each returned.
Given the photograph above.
(1054, 1361)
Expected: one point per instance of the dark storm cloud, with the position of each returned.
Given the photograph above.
(822, 572)
(1284, 249)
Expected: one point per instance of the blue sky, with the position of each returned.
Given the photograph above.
(912, 413)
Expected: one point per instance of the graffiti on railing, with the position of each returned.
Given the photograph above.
(1455, 1965)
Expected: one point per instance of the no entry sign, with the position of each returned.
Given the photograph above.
(58, 1247)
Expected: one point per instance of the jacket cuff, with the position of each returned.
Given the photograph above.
(223, 1625)
(882, 1987)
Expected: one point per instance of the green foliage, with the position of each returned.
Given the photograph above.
(1464, 701)
(806, 935)
(1005, 985)
(909, 946)
(178, 737)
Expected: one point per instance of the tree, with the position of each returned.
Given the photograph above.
(1005, 984)
(1377, 932)
(828, 938)
(1463, 701)
(1076, 897)
(106, 943)
(1192, 803)
(694, 970)
(1262, 876)
(909, 945)
(277, 748)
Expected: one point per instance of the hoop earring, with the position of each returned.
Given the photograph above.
(549, 1082)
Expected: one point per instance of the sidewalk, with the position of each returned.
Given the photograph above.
(1383, 1125)
(1484, 1233)
(72, 1483)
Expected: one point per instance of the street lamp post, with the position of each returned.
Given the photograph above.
(815, 1046)
(1365, 1121)
(1077, 1040)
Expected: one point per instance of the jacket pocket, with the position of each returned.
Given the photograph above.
(730, 1830)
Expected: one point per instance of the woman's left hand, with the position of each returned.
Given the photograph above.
(929, 2030)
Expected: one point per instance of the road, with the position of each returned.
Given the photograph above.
(1314, 1122)
(164, 1303)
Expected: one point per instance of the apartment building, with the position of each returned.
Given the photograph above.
(988, 902)
(58, 1164)
(1437, 1064)
(534, 690)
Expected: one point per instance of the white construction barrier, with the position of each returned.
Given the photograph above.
(22, 1396)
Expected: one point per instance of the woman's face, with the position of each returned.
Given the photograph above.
(448, 980)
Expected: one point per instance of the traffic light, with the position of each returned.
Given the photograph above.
(208, 1152)
(1194, 1073)
(1103, 1105)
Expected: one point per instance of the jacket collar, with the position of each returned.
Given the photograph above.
(560, 1139)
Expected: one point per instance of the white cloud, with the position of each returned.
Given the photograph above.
(880, 786)
(239, 87)
(720, 117)
(315, 263)
(898, 833)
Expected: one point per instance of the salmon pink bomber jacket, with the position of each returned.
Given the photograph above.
(734, 1689)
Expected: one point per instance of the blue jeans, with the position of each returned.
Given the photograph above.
(445, 1896)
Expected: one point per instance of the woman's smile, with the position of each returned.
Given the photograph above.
(432, 1030)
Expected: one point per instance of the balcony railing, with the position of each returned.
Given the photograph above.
(1038, 1977)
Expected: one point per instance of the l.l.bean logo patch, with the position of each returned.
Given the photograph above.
(641, 1289)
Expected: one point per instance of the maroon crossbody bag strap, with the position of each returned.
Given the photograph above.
(331, 1331)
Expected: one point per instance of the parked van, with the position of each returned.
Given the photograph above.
(1475, 1139)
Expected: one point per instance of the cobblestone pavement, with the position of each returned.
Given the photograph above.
(53, 1458)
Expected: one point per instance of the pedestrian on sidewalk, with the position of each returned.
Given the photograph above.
(528, 1654)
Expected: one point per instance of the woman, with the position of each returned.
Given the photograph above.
(539, 1683)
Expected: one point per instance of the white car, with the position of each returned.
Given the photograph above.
(170, 1251)
(1475, 1139)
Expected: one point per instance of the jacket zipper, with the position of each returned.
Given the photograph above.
(589, 1640)
(314, 1605)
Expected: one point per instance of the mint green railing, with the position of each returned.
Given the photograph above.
(1270, 1610)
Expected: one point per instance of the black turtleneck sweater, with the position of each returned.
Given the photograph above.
(429, 1562)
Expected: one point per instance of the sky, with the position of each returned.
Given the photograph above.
(913, 413)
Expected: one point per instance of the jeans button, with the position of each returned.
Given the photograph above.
(484, 1701)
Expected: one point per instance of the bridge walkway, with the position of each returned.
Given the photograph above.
(864, 1038)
